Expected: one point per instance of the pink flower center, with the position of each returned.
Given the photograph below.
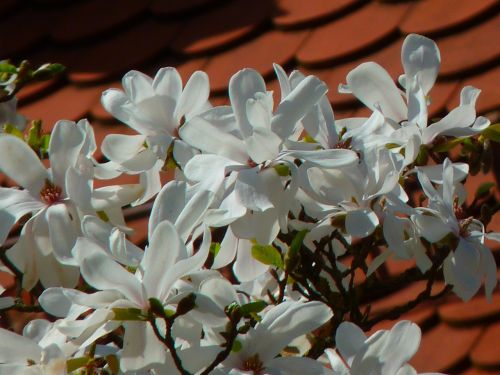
(253, 364)
(50, 193)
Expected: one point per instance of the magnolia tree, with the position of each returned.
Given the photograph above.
(264, 252)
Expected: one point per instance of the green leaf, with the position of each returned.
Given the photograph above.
(7, 68)
(252, 307)
(74, 364)
(483, 189)
(214, 248)
(292, 257)
(468, 145)
(267, 254)
(492, 132)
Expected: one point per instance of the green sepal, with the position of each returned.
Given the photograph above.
(237, 346)
(214, 248)
(252, 308)
(282, 170)
(186, 304)
(267, 254)
(103, 216)
(124, 314)
(12, 130)
(113, 363)
(492, 132)
(74, 364)
(447, 146)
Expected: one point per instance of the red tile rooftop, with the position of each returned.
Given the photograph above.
(99, 41)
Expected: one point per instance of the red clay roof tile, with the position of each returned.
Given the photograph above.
(69, 103)
(460, 313)
(486, 353)
(432, 356)
(165, 8)
(259, 53)
(299, 13)
(488, 83)
(354, 33)
(221, 26)
(436, 16)
(91, 18)
(471, 49)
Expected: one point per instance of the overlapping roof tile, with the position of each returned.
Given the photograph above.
(99, 41)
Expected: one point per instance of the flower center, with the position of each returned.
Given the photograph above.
(50, 193)
(251, 163)
(253, 364)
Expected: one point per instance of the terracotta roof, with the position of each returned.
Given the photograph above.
(99, 41)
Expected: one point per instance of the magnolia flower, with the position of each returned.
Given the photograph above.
(156, 109)
(55, 198)
(471, 260)
(160, 268)
(261, 346)
(41, 350)
(383, 353)
(406, 123)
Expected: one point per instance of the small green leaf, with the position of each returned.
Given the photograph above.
(468, 145)
(483, 189)
(214, 248)
(252, 307)
(237, 346)
(492, 132)
(128, 314)
(74, 364)
(7, 68)
(267, 254)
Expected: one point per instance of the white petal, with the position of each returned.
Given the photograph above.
(207, 136)
(158, 257)
(243, 86)
(371, 84)
(295, 106)
(194, 96)
(62, 233)
(297, 365)
(14, 204)
(115, 196)
(327, 158)
(121, 147)
(421, 60)
(251, 190)
(79, 188)
(246, 267)
(100, 271)
(361, 223)
(349, 339)
(137, 86)
(167, 82)
(66, 142)
(285, 322)
(168, 204)
(15, 348)
(19, 162)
